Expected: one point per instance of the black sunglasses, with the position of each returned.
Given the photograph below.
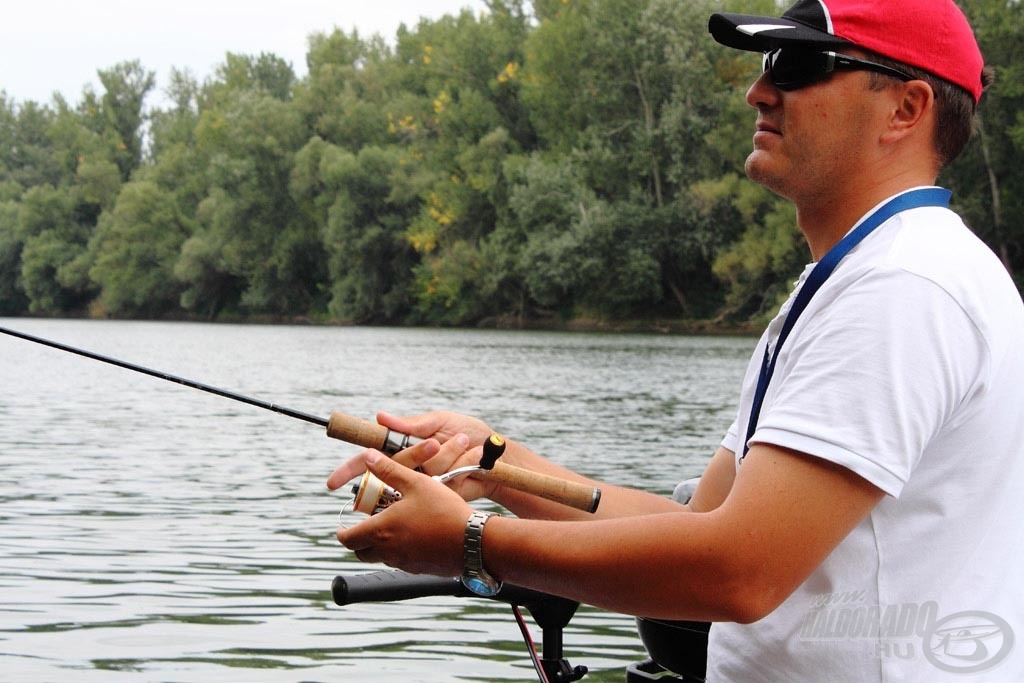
(794, 68)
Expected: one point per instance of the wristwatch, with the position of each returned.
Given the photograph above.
(474, 576)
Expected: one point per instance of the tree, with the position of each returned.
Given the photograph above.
(12, 294)
(125, 88)
(369, 259)
(987, 179)
(343, 97)
(252, 249)
(28, 154)
(134, 251)
(582, 158)
(52, 239)
(265, 73)
(466, 121)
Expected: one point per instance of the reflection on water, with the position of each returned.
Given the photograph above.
(150, 532)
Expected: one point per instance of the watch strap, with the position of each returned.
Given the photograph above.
(474, 576)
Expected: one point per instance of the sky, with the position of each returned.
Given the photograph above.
(49, 46)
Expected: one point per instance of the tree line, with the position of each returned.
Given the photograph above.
(565, 159)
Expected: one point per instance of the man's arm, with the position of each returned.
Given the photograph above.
(616, 501)
(784, 514)
(440, 427)
(715, 483)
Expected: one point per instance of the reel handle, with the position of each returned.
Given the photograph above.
(360, 432)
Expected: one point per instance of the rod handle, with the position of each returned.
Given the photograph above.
(360, 432)
(355, 430)
(571, 493)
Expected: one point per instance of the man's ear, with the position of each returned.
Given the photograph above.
(912, 111)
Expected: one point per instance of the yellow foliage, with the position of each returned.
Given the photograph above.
(423, 241)
(509, 72)
(437, 211)
(405, 125)
(442, 101)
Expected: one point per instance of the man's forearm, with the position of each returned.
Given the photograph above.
(616, 501)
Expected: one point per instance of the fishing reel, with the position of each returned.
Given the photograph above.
(371, 495)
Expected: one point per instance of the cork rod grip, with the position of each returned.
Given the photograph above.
(358, 431)
(367, 434)
(571, 493)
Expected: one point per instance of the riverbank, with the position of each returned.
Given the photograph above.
(583, 324)
(680, 326)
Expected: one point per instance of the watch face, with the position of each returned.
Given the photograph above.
(480, 586)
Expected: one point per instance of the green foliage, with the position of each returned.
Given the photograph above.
(26, 155)
(369, 259)
(987, 179)
(555, 158)
(52, 240)
(251, 248)
(768, 254)
(12, 294)
(266, 74)
(137, 244)
(125, 88)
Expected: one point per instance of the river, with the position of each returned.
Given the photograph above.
(151, 532)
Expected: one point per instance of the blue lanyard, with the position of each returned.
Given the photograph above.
(931, 196)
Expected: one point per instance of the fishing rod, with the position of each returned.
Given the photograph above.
(360, 432)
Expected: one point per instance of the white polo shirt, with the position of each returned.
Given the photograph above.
(907, 367)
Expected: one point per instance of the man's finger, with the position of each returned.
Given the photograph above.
(423, 426)
(417, 454)
(348, 471)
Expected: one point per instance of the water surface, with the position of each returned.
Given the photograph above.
(151, 532)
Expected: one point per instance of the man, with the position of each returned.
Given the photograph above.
(859, 522)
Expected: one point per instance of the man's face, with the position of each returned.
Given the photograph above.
(812, 141)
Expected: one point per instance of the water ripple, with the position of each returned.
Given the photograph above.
(159, 533)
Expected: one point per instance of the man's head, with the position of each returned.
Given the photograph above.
(927, 40)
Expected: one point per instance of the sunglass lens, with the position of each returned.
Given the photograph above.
(792, 69)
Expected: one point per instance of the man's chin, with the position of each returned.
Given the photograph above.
(758, 169)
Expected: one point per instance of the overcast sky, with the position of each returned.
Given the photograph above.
(49, 46)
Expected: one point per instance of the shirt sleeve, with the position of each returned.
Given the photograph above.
(732, 438)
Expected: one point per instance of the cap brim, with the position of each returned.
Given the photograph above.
(762, 34)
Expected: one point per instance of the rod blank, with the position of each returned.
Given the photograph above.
(169, 377)
(357, 431)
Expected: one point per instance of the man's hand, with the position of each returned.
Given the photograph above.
(440, 425)
(422, 533)
(450, 441)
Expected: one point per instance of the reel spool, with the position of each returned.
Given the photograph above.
(372, 495)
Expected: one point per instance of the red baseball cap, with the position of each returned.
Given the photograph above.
(932, 35)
